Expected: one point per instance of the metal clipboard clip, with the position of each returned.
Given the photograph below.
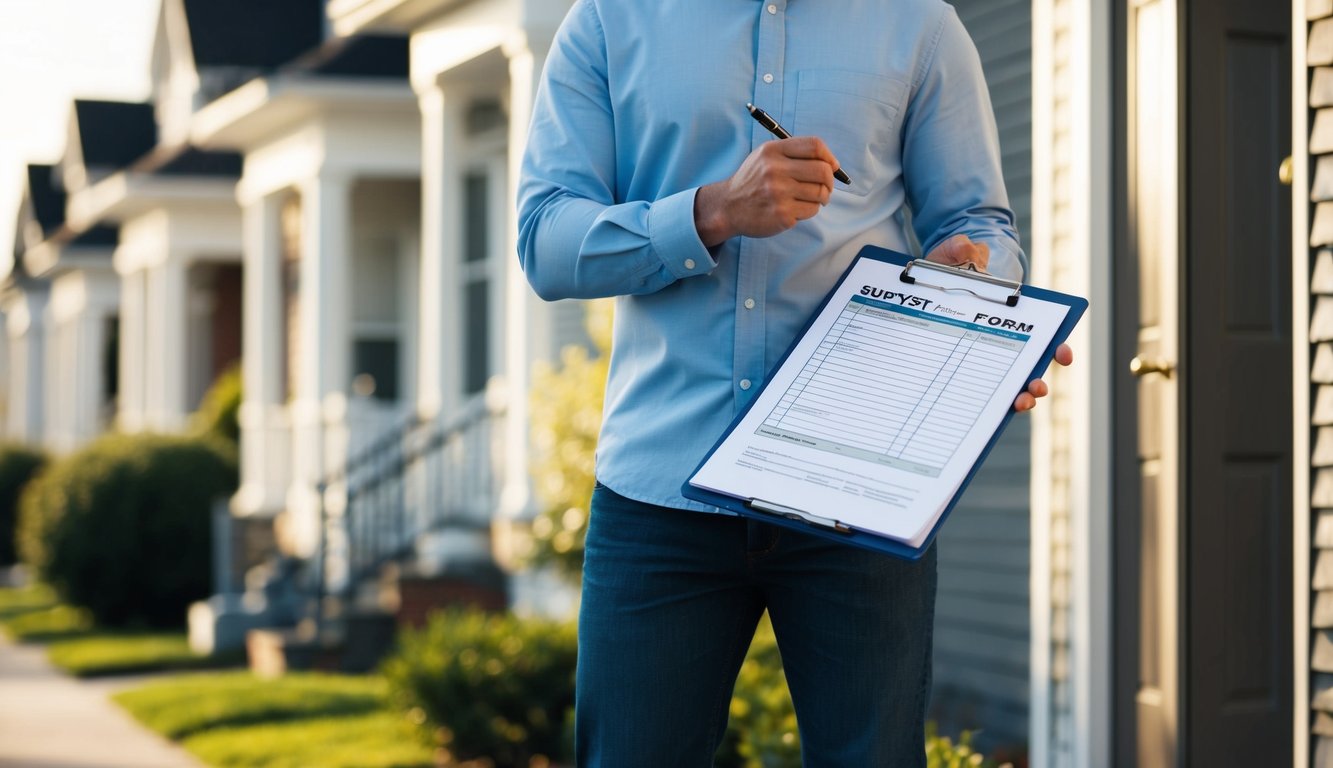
(968, 271)
(791, 513)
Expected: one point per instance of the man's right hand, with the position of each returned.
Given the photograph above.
(779, 183)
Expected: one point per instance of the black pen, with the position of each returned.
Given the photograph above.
(764, 119)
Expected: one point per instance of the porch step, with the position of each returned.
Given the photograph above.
(360, 643)
(412, 594)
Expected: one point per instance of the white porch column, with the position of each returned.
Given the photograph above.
(57, 394)
(442, 135)
(325, 369)
(133, 365)
(167, 363)
(27, 333)
(265, 442)
(81, 301)
(527, 325)
(92, 330)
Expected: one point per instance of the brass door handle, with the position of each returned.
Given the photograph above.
(1287, 171)
(1141, 367)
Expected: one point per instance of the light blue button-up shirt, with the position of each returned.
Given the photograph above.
(642, 103)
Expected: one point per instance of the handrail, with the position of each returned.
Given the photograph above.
(418, 477)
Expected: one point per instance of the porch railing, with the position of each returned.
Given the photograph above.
(426, 476)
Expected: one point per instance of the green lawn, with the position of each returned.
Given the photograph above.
(235, 719)
(95, 654)
(33, 615)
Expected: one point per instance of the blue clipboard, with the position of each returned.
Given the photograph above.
(798, 520)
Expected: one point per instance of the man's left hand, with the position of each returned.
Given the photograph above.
(1064, 355)
(959, 250)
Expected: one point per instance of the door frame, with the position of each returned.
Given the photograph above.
(1300, 400)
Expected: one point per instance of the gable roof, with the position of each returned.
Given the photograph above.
(113, 134)
(261, 34)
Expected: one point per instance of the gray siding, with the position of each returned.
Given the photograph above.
(982, 618)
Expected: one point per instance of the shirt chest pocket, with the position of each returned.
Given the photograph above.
(858, 116)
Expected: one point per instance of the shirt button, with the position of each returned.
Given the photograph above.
(768, 78)
(689, 263)
(749, 303)
(772, 9)
(745, 383)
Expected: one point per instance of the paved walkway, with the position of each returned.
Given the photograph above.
(50, 720)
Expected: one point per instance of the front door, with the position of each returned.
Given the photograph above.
(1203, 560)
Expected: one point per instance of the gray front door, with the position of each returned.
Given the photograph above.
(1203, 539)
(1237, 384)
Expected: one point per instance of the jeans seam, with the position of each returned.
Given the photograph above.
(725, 691)
(750, 556)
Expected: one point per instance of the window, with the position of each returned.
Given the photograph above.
(377, 316)
(291, 295)
(476, 281)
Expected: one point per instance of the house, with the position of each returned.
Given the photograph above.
(474, 69)
(63, 298)
(329, 194)
(79, 329)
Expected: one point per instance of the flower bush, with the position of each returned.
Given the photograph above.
(566, 414)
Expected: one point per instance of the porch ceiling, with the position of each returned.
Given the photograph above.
(49, 259)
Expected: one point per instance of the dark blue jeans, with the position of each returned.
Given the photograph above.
(671, 599)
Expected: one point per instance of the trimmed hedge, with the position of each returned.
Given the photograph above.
(488, 686)
(18, 464)
(122, 527)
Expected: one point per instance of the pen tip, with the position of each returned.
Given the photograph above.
(749, 106)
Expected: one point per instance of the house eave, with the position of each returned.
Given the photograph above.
(249, 116)
(352, 17)
(127, 194)
(48, 262)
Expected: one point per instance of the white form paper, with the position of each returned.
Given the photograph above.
(887, 401)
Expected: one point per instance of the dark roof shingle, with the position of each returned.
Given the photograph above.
(113, 134)
(261, 34)
(46, 200)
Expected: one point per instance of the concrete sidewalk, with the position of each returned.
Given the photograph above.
(50, 720)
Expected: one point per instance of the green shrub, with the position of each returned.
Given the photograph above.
(762, 730)
(122, 526)
(486, 686)
(18, 463)
(942, 752)
(566, 415)
(217, 414)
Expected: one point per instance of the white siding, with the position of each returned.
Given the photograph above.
(982, 616)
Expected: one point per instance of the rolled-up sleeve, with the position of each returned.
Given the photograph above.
(575, 239)
(951, 154)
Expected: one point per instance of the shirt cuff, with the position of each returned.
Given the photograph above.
(1006, 260)
(675, 238)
